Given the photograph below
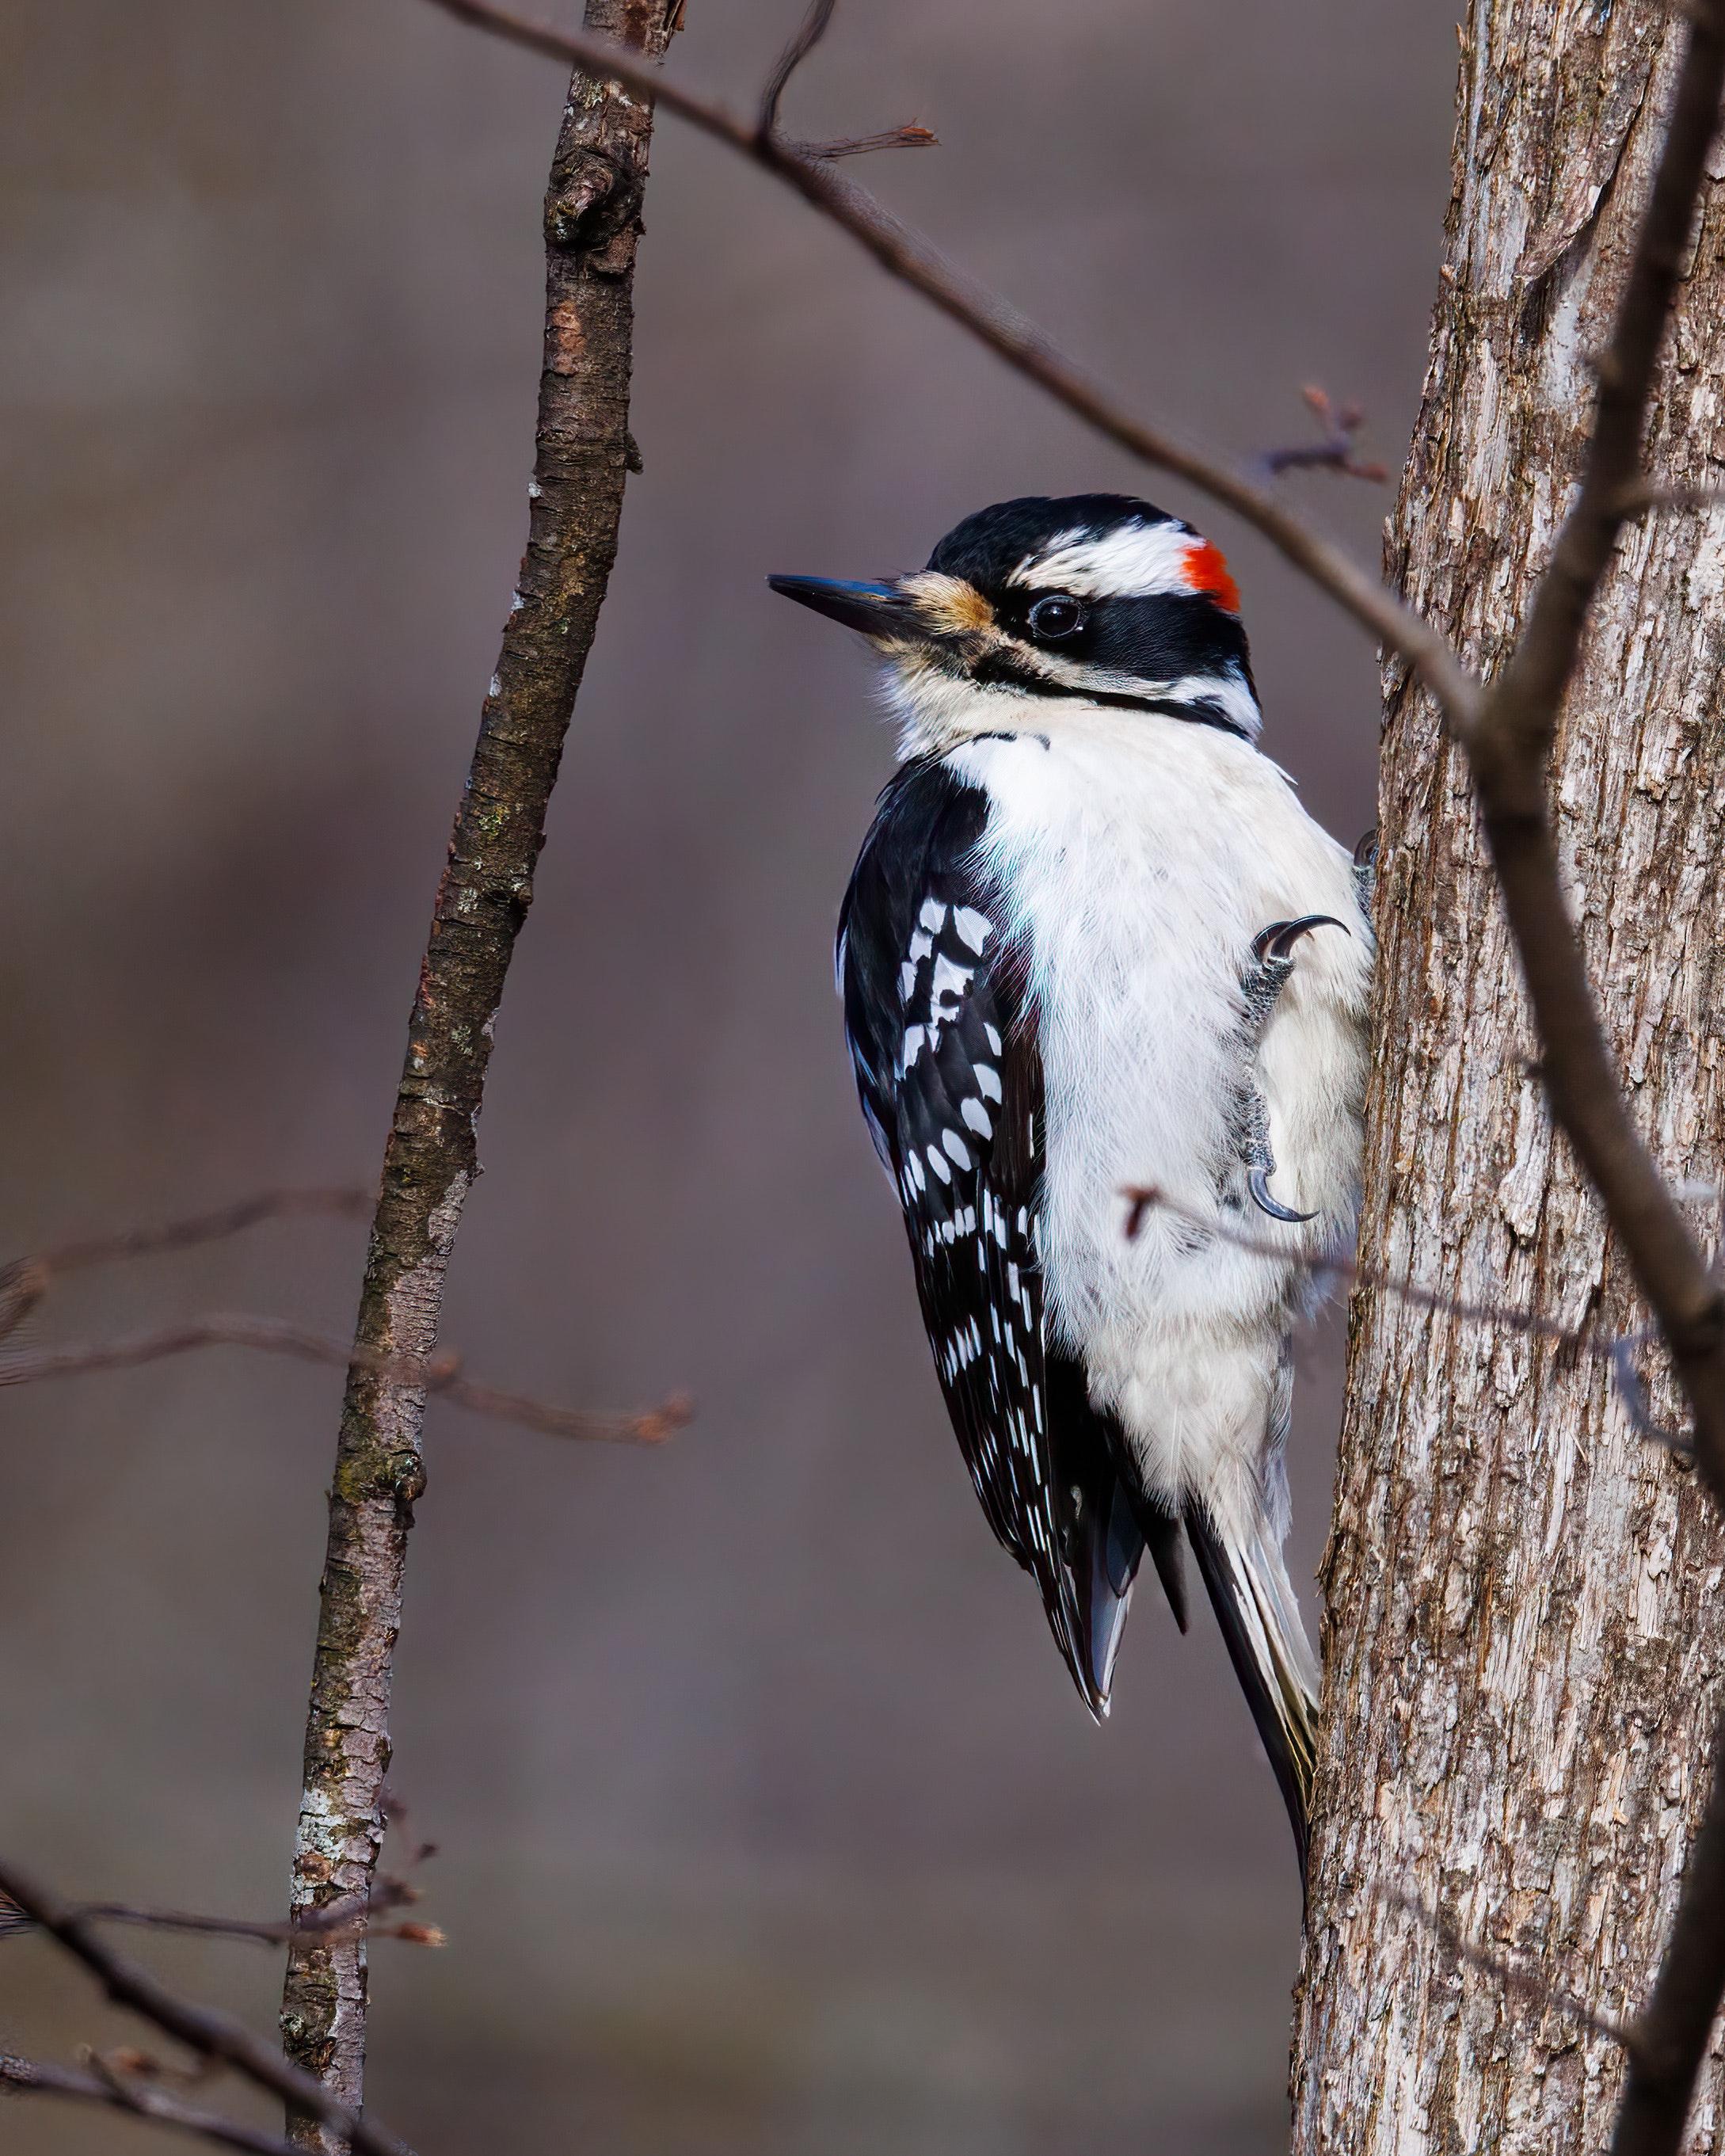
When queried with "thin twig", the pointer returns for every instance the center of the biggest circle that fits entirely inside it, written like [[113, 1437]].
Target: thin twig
[[907, 256], [438, 1376], [343, 1919], [812, 29], [343, 1202], [1647, 497], [124, 2091], [910, 136], [1674, 2029], [1334, 451], [22, 1288], [25, 1280], [205, 2030], [1520, 1981], [339, 1920], [1616, 1355], [1144, 1199], [347, 1917]]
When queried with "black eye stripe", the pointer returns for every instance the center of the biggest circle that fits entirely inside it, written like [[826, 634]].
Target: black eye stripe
[[1000, 670], [1158, 636]]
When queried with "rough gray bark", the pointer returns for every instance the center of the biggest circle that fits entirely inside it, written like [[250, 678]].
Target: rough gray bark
[[591, 226], [1524, 1648]]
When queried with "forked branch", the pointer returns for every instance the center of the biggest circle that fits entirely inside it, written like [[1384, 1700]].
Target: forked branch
[[907, 256], [25, 1281], [438, 1375], [117, 2086], [204, 2030]]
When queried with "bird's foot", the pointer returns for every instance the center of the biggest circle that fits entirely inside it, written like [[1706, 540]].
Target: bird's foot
[[1365, 870], [1258, 1189], [1272, 962], [1258, 1160]]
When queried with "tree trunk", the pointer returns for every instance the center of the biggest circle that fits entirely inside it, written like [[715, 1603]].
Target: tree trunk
[[1523, 1644], [583, 450]]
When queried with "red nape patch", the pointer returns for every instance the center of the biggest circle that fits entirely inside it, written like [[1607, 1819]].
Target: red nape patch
[[1207, 571]]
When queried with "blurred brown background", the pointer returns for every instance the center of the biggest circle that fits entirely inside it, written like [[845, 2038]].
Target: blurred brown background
[[769, 1821]]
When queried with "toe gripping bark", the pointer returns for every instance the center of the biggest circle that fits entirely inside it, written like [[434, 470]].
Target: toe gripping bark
[[1272, 962]]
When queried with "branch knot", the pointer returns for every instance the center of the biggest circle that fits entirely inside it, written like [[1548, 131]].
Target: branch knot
[[593, 199]]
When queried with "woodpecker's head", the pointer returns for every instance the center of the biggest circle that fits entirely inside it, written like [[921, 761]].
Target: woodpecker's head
[[1037, 607]]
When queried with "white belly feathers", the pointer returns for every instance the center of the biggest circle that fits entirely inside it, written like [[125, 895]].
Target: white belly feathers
[[1142, 855]]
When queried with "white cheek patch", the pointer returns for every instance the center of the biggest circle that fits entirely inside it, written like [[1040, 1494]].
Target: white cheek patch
[[1138, 561], [1228, 693], [930, 706]]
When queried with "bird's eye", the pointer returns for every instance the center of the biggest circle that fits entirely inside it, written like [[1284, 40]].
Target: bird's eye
[[1054, 616]]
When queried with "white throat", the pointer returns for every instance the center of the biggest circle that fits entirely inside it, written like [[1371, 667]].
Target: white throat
[[936, 711]]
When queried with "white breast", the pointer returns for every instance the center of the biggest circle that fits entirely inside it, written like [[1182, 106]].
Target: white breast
[[1141, 856]]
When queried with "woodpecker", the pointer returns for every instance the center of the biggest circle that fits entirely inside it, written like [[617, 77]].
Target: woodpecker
[[1093, 941]]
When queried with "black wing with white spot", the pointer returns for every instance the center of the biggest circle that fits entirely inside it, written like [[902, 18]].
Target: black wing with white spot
[[941, 1030]]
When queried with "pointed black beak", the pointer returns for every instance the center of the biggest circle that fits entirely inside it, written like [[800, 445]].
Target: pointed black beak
[[880, 611]]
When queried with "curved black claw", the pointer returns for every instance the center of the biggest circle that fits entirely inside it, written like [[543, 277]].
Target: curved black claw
[[1278, 939], [1365, 870], [1258, 1183]]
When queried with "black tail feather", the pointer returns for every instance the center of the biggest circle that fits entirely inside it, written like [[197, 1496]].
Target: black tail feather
[[1281, 1705], [1107, 1523], [1161, 1530], [1100, 1546]]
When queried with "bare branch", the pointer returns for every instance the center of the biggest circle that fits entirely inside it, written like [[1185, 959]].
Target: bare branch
[[582, 452], [343, 1918], [111, 2085], [348, 1916], [206, 2030], [1146, 1198], [813, 29], [905, 255], [1647, 497], [438, 1376], [344, 1202], [1617, 1355], [22, 1288], [26, 1280], [1673, 2030], [908, 137], [1334, 451]]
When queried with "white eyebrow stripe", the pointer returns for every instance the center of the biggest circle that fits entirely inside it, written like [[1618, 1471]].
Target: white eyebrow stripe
[[1137, 561]]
